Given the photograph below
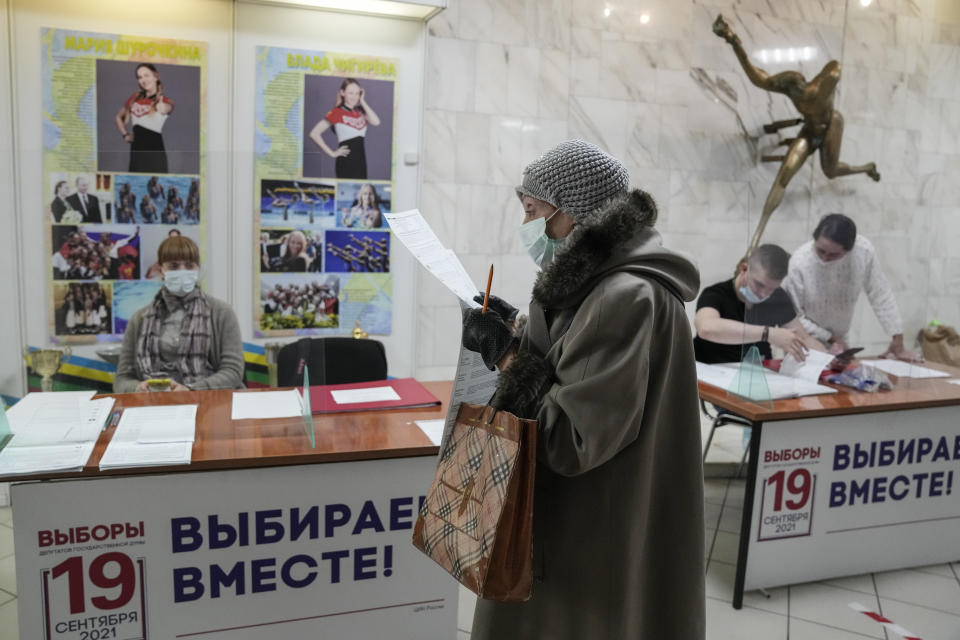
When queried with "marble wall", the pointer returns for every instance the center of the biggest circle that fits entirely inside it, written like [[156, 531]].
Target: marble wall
[[650, 83]]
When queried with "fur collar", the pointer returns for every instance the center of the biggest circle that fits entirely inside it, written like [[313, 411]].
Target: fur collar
[[590, 245]]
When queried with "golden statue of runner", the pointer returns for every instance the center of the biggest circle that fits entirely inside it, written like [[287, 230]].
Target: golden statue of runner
[[822, 124]]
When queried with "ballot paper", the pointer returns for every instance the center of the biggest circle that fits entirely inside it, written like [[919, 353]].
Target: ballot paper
[[164, 423], [433, 429], [413, 231], [152, 436], [63, 457], [32, 402], [76, 420], [266, 404], [120, 454], [778, 385], [810, 369], [371, 394], [473, 383], [905, 369]]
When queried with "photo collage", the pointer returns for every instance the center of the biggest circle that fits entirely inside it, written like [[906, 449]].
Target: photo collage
[[323, 243], [110, 206]]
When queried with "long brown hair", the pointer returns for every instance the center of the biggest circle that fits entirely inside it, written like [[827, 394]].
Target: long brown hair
[[343, 85], [143, 92]]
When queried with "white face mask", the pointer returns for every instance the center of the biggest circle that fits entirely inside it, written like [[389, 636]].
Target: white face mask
[[750, 296], [180, 282], [541, 247]]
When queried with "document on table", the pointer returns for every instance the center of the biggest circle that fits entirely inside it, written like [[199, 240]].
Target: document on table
[[266, 404], [152, 436], [903, 369], [120, 454], [58, 424], [810, 369], [778, 385], [433, 429], [29, 403], [165, 423], [411, 229], [63, 457], [372, 394]]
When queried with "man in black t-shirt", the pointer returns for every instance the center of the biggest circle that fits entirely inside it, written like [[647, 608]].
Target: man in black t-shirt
[[750, 310]]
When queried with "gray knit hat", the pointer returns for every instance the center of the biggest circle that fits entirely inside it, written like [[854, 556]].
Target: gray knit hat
[[576, 176]]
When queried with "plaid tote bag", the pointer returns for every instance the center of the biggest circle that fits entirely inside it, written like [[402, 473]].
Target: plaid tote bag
[[477, 520]]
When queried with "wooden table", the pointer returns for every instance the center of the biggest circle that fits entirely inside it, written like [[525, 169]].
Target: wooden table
[[812, 512], [259, 530], [222, 443]]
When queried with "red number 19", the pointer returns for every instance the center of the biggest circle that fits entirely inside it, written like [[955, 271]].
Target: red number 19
[[125, 578], [799, 482]]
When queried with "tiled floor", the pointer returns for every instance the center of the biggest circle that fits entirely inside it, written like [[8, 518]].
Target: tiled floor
[[925, 600]]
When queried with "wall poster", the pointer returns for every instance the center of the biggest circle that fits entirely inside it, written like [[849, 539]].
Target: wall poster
[[123, 169], [324, 146]]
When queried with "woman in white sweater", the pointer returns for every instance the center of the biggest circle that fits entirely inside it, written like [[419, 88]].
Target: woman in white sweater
[[826, 277]]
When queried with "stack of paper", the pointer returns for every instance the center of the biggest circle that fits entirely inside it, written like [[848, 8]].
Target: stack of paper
[[53, 431], [263, 405], [905, 369], [152, 436], [779, 385]]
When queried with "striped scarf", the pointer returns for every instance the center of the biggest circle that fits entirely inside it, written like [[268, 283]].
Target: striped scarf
[[195, 339]]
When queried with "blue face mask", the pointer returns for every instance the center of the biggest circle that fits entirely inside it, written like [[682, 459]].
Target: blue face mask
[[750, 296], [180, 282], [541, 247]]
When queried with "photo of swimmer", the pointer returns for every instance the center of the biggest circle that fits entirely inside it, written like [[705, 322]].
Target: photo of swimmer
[[357, 252], [286, 203], [299, 302], [156, 199]]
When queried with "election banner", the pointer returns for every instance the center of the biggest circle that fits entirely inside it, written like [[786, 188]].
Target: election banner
[[846, 495], [123, 169], [287, 553], [323, 180]]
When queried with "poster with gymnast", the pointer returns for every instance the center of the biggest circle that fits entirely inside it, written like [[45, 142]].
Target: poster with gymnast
[[324, 144], [123, 136]]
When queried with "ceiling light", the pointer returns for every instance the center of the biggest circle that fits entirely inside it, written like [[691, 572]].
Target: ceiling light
[[407, 9], [644, 18]]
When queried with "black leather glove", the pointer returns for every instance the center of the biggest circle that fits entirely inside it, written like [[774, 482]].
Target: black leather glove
[[501, 306], [486, 334]]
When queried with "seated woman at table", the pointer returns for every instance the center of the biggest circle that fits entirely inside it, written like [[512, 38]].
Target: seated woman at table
[[184, 334]]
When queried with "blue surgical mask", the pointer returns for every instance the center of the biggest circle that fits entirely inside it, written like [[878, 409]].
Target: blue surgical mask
[[750, 296], [541, 247], [180, 282]]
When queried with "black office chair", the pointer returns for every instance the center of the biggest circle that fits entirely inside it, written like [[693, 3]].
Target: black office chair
[[721, 419], [331, 361]]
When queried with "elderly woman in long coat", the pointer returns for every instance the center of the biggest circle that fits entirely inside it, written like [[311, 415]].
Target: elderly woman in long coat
[[605, 364]]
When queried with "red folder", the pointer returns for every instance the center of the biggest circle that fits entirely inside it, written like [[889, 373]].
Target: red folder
[[411, 394]]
